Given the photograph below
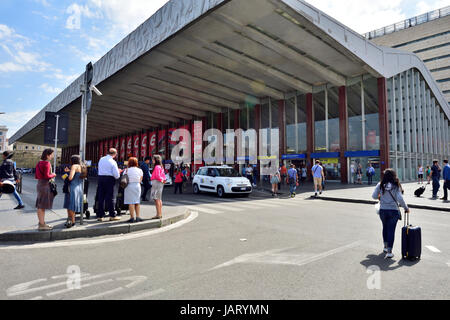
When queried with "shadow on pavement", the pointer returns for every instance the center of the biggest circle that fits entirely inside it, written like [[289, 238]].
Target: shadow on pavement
[[386, 264]]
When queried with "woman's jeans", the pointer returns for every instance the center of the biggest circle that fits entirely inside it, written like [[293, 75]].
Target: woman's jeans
[[389, 219], [16, 195]]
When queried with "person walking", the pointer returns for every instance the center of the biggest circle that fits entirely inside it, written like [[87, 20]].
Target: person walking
[[8, 173], [436, 176], [146, 178], [283, 174], [317, 172], [132, 193], [73, 199], [108, 173], [158, 181], [179, 178], [45, 196], [446, 176], [428, 172], [370, 173], [420, 174], [293, 180], [390, 193], [359, 174], [275, 180]]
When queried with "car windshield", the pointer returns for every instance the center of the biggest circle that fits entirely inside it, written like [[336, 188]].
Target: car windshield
[[228, 172]]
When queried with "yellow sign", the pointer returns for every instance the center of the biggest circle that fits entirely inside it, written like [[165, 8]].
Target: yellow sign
[[330, 160]]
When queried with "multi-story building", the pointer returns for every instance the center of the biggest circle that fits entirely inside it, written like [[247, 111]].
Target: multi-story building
[[428, 36], [27, 155], [3, 139]]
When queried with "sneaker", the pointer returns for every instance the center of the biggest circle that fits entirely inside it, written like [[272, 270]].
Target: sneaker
[[389, 255], [45, 227], [115, 219], [131, 221], [19, 207], [385, 250], [139, 219]]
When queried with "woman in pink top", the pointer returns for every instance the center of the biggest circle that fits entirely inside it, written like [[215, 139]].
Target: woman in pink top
[[44, 199], [158, 181]]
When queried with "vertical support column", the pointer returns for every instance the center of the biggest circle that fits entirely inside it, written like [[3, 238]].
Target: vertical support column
[[363, 115], [383, 123], [237, 116], [343, 132], [282, 126], [257, 128], [424, 121], [420, 142], [408, 112], [327, 127], [394, 121], [413, 92], [309, 131], [166, 138]]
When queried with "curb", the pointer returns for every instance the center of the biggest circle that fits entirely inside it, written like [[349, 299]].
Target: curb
[[415, 206], [66, 234]]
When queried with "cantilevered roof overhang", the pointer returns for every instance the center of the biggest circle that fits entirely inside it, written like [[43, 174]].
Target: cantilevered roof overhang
[[196, 56]]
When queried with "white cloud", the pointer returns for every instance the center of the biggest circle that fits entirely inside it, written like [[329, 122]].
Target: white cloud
[[363, 15], [16, 120], [43, 2], [49, 89], [77, 11], [427, 6]]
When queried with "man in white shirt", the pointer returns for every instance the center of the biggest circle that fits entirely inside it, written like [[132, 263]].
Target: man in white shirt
[[108, 173], [317, 172]]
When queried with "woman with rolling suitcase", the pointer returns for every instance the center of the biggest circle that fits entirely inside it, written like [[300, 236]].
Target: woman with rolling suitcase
[[390, 193]]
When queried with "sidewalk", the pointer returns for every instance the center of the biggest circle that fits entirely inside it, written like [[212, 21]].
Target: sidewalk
[[21, 225], [335, 191]]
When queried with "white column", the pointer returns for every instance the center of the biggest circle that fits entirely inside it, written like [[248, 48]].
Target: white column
[[401, 124], [413, 115], [431, 136], [363, 115], [408, 92], [394, 121], [419, 113], [326, 121], [426, 142]]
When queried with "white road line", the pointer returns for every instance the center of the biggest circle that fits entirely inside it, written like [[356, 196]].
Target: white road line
[[224, 207], [20, 288], [433, 249], [132, 236], [81, 287], [205, 210], [103, 294], [146, 295]]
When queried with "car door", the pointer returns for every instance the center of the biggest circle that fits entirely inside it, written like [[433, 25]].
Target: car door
[[210, 181], [202, 179]]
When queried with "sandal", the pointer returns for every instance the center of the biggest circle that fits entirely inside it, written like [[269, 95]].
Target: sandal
[[156, 218], [45, 227]]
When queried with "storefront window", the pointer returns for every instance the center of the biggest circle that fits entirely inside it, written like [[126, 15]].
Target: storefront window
[[319, 122], [364, 162], [301, 123], [372, 125], [333, 120], [355, 136], [291, 127]]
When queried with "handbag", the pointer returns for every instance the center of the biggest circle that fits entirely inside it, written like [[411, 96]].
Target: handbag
[[124, 180]]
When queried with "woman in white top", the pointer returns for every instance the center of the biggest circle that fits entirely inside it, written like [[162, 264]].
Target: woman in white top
[[132, 195], [420, 174]]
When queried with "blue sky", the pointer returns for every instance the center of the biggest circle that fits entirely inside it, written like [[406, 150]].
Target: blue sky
[[46, 44]]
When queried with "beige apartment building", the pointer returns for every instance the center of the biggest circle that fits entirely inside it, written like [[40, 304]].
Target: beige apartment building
[[428, 36]]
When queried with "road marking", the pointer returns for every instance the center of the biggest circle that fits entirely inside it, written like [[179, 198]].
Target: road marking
[[21, 289], [277, 257], [103, 294], [81, 287], [125, 237], [205, 210], [224, 207], [146, 295], [135, 280], [433, 249]]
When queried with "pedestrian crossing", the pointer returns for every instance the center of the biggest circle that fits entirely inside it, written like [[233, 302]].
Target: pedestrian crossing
[[216, 206]]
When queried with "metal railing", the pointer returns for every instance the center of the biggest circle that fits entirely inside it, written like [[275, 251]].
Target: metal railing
[[409, 23]]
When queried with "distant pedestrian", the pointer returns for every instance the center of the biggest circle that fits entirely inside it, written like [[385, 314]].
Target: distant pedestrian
[[146, 178], [284, 175], [446, 176], [317, 173], [370, 173], [428, 172], [74, 198], [389, 191], [178, 181], [359, 174], [274, 181], [45, 196], [158, 181], [304, 173], [324, 172], [132, 193], [293, 179], [8, 173], [420, 174], [436, 176], [108, 173], [249, 173]]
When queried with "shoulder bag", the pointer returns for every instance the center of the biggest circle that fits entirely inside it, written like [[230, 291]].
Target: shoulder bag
[[124, 180], [399, 212], [51, 182]]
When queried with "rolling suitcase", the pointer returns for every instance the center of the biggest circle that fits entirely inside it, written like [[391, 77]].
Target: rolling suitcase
[[419, 192], [411, 241]]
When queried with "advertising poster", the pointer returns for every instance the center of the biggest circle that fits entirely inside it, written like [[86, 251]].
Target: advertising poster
[[100, 150], [144, 140], [122, 148], [152, 143], [136, 145], [129, 147], [162, 143]]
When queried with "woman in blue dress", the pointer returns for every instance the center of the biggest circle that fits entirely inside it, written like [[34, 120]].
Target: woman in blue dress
[[73, 199]]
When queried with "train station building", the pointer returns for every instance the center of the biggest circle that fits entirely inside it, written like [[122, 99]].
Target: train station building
[[332, 93]]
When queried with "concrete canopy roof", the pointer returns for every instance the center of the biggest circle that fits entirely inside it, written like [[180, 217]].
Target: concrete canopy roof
[[199, 56]]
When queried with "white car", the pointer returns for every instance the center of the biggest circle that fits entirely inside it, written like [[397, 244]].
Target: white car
[[222, 180]]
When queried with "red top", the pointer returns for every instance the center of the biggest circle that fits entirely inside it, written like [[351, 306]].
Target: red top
[[44, 171], [179, 177]]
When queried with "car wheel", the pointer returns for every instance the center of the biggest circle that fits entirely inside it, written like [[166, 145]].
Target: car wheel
[[195, 189], [220, 192]]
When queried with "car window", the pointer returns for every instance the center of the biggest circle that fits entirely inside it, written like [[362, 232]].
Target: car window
[[201, 172], [211, 172], [228, 172]]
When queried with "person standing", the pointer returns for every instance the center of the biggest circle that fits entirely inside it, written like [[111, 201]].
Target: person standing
[[8, 173], [108, 173], [436, 176], [317, 172], [73, 199], [446, 176], [146, 178], [389, 191], [304, 173], [420, 174], [359, 174], [45, 196], [179, 178], [283, 174], [293, 179], [158, 181], [132, 193], [428, 172], [275, 180], [370, 173], [249, 173]]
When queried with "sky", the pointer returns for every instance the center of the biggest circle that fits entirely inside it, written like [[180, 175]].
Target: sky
[[46, 44]]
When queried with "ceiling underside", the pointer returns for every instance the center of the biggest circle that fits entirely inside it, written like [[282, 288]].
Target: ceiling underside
[[241, 52]]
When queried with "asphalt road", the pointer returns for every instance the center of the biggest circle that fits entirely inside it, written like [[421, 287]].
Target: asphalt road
[[237, 248]]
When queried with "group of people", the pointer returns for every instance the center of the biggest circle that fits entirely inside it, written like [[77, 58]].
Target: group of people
[[433, 175], [370, 173], [108, 174]]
